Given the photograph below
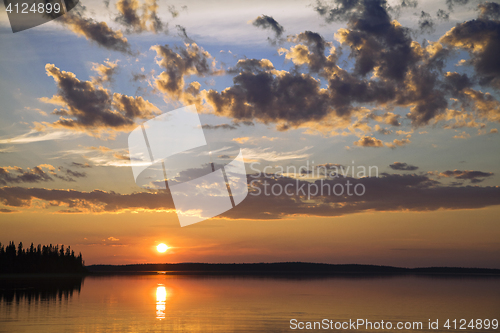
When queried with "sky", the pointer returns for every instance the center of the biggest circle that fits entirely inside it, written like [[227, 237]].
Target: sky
[[308, 90]]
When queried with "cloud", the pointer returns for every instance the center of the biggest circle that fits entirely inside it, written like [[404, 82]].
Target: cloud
[[267, 22], [174, 12], [452, 3], [473, 176], [242, 140], [94, 201], [398, 143], [130, 17], [310, 50], [425, 22], [463, 135], [5, 150], [76, 174], [35, 135], [388, 118], [81, 165], [485, 104], [98, 32], [183, 34], [103, 156], [41, 173], [403, 72], [390, 192], [385, 193], [223, 126], [193, 60], [267, 154], [92, 109], [481, 38], [403, 166], [489, 11], [5, 210], [442, 15], [269, 96], [384, 131], [105, 71], [367, 141]]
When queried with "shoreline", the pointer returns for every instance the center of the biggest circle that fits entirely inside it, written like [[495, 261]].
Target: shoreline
[[293, 269]]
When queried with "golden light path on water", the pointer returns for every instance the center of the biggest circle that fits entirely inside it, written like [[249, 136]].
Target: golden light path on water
[[161, 298]]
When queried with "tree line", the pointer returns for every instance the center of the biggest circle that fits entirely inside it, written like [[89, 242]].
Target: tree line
[[39, 259]]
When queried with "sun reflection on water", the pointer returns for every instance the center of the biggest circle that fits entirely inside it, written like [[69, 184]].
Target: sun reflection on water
[[161, 298]]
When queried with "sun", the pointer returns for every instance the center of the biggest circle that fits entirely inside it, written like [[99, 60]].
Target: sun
[[162, 248]]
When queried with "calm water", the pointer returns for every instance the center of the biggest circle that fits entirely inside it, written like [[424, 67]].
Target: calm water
[[154, 303]]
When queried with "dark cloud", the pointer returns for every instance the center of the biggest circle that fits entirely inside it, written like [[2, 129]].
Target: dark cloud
[[442, 15], [377, 42], [98, 32], [452, 3], [456, 83], [18, 175], [409, 3], [385, 193], [425, 95], [80, 165], [267, 22], [384, 131], [425, 22], [183, 34], [406, 192], [390, 70], [489, 11], [473, 176], [87, 107], [339, 12], [292, 99], [265, 96], [220, 126], [139, 77], [174, 12], [76, 174], [41, 173], [95, 201], [251, 65], [231, 126], [481, 38], [406, 74], [403, 166], [134, 21]]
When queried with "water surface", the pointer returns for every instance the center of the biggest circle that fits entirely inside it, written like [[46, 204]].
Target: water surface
[[156, 303]]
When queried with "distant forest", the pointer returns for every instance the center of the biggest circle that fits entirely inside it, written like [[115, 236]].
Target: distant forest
[[39, 259]]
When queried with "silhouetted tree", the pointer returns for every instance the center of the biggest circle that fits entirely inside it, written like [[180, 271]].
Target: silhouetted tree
[[42, 259]]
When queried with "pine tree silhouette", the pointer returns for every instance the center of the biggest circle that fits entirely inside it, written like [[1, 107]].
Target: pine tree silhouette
[[42, 259]]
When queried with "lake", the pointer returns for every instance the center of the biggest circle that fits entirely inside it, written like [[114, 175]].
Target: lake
[[194, 303]]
